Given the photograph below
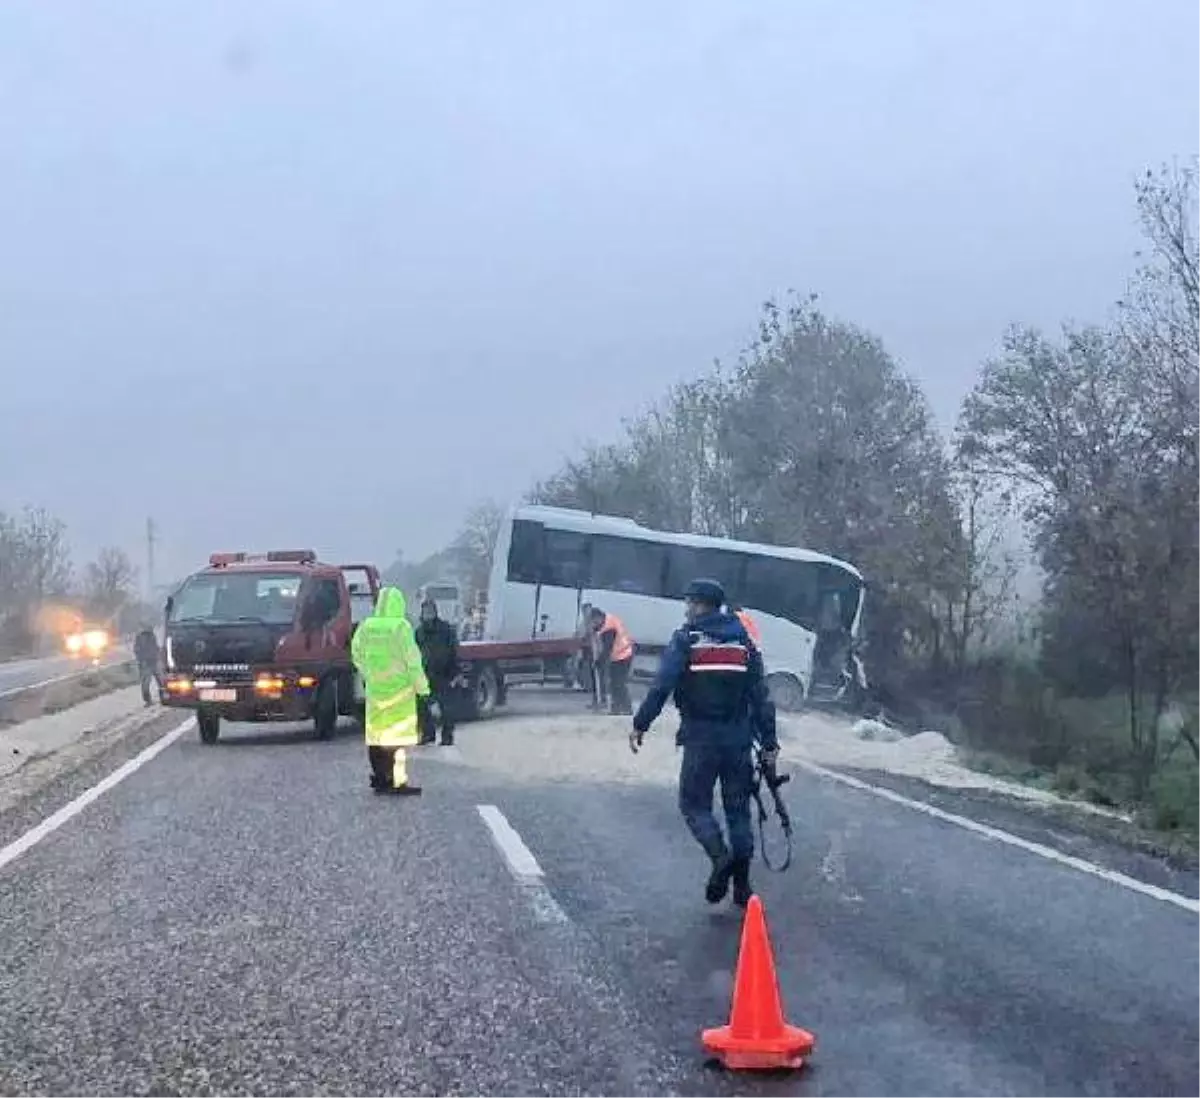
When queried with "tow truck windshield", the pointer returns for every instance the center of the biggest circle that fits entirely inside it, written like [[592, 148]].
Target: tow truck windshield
[[262, 597]]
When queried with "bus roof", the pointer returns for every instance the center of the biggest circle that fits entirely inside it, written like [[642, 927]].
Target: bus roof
[[564, 518]]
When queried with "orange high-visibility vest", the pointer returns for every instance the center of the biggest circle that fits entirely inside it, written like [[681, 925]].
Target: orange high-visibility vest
[[751, 628], [622, 648]]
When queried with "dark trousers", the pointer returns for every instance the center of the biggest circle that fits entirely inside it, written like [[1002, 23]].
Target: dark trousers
[[618, 687], [381, 759], [598, 682], [439, 691], [705, 764]]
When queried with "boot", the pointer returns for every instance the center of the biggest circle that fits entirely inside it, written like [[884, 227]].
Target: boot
[[406, 790], [742, 891], [718, 880]]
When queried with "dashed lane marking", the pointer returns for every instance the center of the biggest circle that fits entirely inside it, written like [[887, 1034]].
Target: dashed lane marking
[[522, 863]]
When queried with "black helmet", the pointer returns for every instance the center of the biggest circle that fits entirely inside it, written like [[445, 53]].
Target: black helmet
[[705, 590]]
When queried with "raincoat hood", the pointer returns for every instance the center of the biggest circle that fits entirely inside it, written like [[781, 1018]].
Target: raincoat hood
[[391, 603]]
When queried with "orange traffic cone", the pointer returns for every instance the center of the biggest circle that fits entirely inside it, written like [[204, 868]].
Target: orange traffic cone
[[757, 1037]]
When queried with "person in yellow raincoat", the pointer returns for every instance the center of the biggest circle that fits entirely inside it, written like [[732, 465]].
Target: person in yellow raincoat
[[385, 653]]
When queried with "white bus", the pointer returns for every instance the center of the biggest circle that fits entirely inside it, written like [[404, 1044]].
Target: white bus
[[549, 561]]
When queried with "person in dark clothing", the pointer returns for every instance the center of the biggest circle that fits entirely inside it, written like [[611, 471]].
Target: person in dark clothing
[[716, 675], [438, 642], [613, 659], [145, 651]]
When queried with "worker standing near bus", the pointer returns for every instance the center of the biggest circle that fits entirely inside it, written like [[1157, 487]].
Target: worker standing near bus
[[586, 673], [385, 653], [716, 676], [614, 659]]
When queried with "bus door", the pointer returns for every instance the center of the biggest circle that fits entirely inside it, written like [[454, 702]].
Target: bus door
[[565, 556]]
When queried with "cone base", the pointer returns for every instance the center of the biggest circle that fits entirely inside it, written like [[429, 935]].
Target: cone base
[[785, 1050]]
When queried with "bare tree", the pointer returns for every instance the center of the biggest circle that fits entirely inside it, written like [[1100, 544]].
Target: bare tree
[[475, 543], [35, 569], [1114, 523], [109, 582]]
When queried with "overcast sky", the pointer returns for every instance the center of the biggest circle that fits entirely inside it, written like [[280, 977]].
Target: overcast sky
[[298, 273]]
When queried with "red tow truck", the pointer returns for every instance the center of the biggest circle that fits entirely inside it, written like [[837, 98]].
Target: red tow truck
[[267, 638]]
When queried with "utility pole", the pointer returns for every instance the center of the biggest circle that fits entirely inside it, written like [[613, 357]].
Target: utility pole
[[151, 538]]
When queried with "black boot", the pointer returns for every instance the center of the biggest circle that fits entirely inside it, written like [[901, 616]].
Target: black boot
[[740, 869], [718, 880], [406, 790]]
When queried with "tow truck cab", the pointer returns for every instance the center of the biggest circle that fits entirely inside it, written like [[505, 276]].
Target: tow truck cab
[[266, 638]]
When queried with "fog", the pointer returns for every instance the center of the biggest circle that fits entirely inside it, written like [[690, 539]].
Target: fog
[[325, 273]]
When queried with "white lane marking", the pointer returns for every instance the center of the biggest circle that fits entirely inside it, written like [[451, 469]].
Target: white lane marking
[[519, 857], [68, 811], [1110, 875], [523, 864]]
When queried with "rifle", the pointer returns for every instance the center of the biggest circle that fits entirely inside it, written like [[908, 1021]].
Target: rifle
[[764, 773]]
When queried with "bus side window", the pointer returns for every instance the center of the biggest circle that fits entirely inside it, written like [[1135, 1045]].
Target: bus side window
[[686, 563], [628, 565], [525, 552], [785, 588], [565, 559]]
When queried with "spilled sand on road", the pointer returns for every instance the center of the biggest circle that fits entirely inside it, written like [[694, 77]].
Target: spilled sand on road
[[594, 747]]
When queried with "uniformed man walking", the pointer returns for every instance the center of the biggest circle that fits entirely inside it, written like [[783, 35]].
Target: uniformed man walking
[[716, 675], [386, 655]]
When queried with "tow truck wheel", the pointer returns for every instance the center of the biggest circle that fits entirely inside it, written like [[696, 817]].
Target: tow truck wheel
[[209, 725], [325, 710], [487, 692]]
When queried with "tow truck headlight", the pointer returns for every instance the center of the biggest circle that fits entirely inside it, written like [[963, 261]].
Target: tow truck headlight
[[96, 640], [75, 643], [179, 686]]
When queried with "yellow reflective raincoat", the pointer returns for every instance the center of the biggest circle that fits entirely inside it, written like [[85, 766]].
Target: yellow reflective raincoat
[[385, 653]]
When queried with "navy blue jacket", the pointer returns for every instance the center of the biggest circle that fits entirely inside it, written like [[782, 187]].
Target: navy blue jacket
[[716, 675]]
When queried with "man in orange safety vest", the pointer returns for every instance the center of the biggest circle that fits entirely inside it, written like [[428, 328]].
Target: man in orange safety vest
[[614, 659]]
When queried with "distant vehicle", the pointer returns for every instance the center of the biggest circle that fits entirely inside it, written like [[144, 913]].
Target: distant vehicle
[[267, 638], [448, 599], [548, 561], [88, 642]]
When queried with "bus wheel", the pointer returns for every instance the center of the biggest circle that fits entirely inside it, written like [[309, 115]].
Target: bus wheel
[[487, 692], [786, 692], [209, 724]]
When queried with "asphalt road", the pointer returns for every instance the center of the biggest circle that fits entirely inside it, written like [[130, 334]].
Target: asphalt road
[[248, 918], [20, 673]]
